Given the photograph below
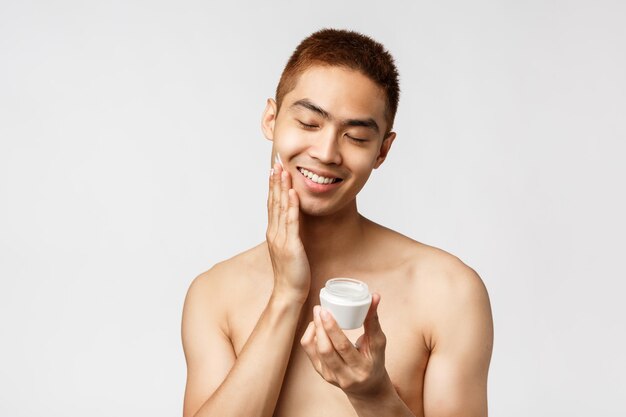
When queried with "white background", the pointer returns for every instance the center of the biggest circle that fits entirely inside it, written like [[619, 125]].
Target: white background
[[131, 160]]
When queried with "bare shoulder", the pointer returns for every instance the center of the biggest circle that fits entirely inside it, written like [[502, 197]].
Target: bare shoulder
[[235, 271], [433, 265], [447, 291], [214, 289], [453, 298], [445, 272]]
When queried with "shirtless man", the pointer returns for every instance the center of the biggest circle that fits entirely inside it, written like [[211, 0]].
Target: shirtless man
[[256, 342]]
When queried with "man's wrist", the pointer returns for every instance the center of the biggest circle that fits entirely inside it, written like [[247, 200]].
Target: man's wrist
[[288, 297], [287, 300], [384, 402]]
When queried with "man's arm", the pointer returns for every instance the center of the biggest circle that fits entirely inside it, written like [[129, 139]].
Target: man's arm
[[219, 383], [455, 382], [208, 351]]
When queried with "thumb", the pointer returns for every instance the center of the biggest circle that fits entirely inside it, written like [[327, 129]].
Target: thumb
[[371, 324]]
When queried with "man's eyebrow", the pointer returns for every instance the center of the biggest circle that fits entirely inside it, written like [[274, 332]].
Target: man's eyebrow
[[369, 123], [307, 104]]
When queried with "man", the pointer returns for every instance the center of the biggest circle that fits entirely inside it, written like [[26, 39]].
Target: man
[[255, 340]]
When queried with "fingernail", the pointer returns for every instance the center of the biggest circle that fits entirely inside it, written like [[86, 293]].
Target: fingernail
[[316, 311], [324, 314], [271, 171]]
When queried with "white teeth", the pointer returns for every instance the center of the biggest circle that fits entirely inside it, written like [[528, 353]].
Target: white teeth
[[317, 178]]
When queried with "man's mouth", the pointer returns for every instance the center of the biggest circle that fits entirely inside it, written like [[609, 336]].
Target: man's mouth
[[318, 178]]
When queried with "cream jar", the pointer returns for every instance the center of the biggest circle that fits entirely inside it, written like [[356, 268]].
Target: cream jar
[[348, 300]]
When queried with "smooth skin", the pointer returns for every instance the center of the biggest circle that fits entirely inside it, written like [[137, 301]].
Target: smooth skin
[[255, 339]]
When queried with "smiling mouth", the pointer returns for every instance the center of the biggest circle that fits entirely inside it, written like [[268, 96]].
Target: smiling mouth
[[318, 178]]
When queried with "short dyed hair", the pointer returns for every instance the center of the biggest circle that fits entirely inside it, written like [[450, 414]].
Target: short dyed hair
[[348, 49]]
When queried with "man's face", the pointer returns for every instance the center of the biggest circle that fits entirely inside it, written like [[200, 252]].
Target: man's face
[[332, 124]]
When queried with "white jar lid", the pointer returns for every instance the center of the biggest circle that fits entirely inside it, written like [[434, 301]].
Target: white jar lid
[[346, 290]]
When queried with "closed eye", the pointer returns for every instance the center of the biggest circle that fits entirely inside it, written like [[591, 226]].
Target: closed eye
[[307, 126], [357, 139]]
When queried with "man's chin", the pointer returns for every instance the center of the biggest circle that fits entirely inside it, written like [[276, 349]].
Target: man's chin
[[320, 209], [316, 210]]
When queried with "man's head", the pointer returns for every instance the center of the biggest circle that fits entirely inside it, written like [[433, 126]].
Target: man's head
[[347, 49], [332, 117]]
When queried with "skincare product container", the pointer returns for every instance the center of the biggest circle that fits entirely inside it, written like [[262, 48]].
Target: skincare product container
[[348, 300]]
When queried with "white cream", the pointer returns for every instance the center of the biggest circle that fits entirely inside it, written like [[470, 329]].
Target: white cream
[[348, 300], [279, 160]]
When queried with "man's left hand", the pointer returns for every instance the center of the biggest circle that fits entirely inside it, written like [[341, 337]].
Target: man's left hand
[[358, 369]]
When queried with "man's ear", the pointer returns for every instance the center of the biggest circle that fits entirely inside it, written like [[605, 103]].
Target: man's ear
[[384, 149], [269, 119]]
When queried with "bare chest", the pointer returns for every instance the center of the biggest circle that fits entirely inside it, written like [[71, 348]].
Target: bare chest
[[305, 393]]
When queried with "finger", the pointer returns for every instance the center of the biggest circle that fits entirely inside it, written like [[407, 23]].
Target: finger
[[308, 344], [325, 349], [288, 177], [373, 331], [275, 203], [270, 195], [371, 319], [342, 345], [308, 335], [284, 201], [293, 215], [360, 343]]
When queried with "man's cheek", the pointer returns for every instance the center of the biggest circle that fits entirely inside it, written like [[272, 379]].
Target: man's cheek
[[290, 146]]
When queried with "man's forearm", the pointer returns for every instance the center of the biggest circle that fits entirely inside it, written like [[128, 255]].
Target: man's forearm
[[253, 384]]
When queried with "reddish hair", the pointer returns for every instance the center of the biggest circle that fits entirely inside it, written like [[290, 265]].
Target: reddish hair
[[348, 49]]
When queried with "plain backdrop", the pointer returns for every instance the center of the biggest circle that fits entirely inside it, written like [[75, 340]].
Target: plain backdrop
[[131, 160]]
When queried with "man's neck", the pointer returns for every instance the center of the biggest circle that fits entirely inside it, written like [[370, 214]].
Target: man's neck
[[333, 238]]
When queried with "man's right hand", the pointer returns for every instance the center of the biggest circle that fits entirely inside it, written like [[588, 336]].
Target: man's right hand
[[217, 374], [292, 274]]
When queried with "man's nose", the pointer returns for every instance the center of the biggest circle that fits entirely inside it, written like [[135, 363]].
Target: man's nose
[[326, 148]]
